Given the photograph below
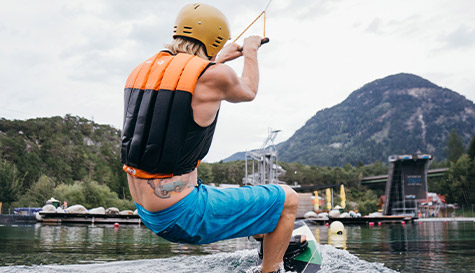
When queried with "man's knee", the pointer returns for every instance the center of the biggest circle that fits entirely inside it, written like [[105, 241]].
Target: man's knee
[[291, 199]]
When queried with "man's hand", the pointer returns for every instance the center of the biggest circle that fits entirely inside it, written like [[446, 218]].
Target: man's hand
[[233, 51], [251, 43], [229, 53]]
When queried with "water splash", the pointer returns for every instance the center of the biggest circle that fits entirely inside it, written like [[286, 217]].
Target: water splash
[[334, 260], [338, 260], [237, 261]]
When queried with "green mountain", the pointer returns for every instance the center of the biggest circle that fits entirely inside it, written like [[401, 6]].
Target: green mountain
[[398, 114]]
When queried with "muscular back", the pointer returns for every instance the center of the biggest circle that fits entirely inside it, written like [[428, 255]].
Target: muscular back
[[219, 82]]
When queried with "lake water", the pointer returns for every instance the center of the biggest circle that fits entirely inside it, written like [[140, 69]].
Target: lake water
[[418, 247]]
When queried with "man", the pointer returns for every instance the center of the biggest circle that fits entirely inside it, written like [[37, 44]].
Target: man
[[172, 102]]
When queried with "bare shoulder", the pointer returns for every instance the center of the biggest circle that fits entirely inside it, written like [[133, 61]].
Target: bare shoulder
[[223, 81], [219, 76]]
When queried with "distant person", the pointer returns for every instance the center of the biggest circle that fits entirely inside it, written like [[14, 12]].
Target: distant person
[[65, 205], [172, 101]]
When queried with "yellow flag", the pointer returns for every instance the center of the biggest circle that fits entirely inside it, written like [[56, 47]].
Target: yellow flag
[[316, 203], [342, 196]]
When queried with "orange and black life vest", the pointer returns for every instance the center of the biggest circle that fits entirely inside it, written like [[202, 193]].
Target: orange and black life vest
[[160, 137]]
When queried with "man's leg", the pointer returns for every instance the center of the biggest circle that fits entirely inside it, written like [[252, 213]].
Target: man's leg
[[276, 242]]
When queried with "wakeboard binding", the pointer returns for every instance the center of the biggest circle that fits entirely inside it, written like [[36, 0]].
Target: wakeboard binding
[[296, 247]]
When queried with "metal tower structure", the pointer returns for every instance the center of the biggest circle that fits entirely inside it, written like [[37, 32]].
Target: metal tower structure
[[262, 163]]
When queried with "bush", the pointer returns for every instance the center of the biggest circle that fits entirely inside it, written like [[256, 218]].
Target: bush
[[91, 194], [39, 192], [370, 203], [73, 194], [367, 207]]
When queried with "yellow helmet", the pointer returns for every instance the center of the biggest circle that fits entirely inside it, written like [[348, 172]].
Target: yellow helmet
[[204, 23]]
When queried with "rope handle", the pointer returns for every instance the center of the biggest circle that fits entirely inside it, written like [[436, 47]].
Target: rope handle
[[265, 40]]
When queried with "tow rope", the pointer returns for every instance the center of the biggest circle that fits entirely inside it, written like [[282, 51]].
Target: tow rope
[[265, 39]]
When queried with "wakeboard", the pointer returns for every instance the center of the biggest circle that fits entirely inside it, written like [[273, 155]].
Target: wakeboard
[[310, 260]]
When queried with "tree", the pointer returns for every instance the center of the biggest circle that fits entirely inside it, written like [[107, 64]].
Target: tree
[[455, 147], [471, 149], [73, 194], [459, 184], [471, 173], [39, 193], [10, 182], [368, 203], [205, 172]]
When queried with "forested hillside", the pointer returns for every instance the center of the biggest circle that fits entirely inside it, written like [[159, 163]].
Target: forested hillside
[[69, 151], [66, 149]]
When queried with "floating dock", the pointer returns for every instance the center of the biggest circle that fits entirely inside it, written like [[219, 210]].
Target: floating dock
[[17, 219], [362, 220], [53, 217], [446, 219]]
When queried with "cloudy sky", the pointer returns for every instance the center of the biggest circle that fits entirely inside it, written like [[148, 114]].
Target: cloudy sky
[[60, 57]]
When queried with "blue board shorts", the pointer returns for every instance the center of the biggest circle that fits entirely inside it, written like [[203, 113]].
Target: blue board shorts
[[209, 214]]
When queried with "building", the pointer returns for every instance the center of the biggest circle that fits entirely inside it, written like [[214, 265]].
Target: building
[[406, 186]]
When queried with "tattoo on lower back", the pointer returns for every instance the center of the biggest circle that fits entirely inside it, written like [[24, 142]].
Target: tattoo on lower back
[[163, 188]]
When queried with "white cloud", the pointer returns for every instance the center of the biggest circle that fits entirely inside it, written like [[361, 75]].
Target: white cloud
[[460, 38]]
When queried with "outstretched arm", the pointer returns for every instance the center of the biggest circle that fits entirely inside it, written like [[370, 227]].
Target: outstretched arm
[[224, 80], [219, 82]]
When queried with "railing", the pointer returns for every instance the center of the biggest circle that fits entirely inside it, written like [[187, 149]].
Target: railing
[[26, 211], [382, 179]]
